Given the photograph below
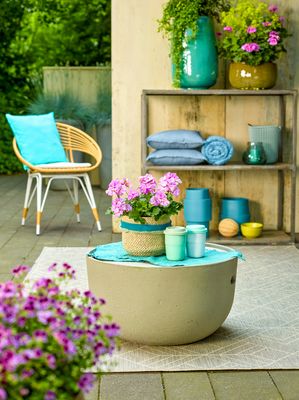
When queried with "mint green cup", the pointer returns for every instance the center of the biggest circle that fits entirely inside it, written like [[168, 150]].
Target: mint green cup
[[175, 243]]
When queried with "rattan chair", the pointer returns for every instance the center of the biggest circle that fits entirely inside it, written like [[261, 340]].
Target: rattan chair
[[73, 140]]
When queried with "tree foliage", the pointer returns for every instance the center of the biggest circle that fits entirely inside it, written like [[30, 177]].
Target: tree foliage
[[37, 33]]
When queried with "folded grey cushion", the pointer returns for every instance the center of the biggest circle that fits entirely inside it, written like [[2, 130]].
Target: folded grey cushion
[[176, 157], [175, 139]]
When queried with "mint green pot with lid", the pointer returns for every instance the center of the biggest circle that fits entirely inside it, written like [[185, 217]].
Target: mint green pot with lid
[[175, 243]]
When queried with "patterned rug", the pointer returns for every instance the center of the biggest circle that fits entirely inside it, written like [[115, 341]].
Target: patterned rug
[[261, 331]]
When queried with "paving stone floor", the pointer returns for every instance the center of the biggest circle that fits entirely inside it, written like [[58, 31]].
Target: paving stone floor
[[59, 228]]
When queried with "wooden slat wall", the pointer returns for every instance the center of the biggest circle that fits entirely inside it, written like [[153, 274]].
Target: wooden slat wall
[[140, 61]]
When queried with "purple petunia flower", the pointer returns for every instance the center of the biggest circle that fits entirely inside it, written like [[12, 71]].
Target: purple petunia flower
[[51, 361], [20, 270], [3, 394], [50, 395], [250, 47], [273, 8], [147, 184], [228, 29], [272, 41], [251, 29], [86, 382]]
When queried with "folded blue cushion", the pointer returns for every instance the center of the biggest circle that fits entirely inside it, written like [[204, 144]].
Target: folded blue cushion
[[37, 138], [176, 157], [175, 139]]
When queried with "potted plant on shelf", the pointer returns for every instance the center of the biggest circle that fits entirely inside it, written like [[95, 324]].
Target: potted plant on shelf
[[145, 211], [189, 27], [253, 38], [49, 336]]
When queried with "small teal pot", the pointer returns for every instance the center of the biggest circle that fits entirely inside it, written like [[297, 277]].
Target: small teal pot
[[175, 243], [199, 58], [200, 210], [197, 193], [236, 208]]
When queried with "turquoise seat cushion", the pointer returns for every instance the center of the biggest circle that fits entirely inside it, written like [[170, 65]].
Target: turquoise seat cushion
[[37, 138], [175, 139], [176, 157]]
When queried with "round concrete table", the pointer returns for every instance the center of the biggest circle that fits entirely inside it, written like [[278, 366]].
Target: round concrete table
[[165, 305]]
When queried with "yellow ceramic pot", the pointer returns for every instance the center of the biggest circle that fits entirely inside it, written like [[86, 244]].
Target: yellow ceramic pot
[[243, 76]]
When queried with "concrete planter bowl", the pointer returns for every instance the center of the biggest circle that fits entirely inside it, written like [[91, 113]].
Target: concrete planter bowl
[[165, 305]]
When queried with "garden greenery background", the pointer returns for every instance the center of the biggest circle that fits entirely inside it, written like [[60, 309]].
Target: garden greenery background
[[37, 33]]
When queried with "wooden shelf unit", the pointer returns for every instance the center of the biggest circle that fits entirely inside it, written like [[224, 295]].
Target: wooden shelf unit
[[268, 237]]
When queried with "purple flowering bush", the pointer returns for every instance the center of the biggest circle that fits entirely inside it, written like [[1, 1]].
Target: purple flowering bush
[[49, 337], [253, 33], [150, 199]]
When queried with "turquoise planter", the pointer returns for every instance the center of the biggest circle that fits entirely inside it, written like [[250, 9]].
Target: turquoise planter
[[199, 60]]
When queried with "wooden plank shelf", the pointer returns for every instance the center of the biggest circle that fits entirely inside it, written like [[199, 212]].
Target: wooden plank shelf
[[226, 167], [268, 237], [217, 92]]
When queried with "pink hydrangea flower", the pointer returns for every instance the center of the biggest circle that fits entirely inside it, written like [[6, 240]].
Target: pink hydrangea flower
[[119, 207], [132, 194], [266, 23], [147, 184], [118, 187], [251, 29], [160, 199], [273, 8], [169, 183], [250, 47], [228, 29]]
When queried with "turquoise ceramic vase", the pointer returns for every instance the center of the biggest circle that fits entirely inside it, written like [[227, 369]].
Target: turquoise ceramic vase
[[199, 59]]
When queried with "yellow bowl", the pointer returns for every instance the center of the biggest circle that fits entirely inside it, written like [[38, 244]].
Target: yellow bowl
[[251, 229]]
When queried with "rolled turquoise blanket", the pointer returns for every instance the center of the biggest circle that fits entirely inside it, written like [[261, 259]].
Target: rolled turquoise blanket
[[217, 150]]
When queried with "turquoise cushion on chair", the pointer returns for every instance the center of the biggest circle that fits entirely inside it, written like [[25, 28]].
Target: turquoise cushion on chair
[[37, 138]]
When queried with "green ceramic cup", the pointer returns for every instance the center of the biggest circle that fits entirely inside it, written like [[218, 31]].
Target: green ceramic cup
[[175, 243]]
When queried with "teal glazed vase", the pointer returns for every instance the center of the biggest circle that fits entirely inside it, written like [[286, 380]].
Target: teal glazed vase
[[199, 58]]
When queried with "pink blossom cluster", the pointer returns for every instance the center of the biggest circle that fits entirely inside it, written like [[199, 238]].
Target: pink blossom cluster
[[273, 38], [150, 191], [273, 8], [48, 328], [251, 29], [250, 47]]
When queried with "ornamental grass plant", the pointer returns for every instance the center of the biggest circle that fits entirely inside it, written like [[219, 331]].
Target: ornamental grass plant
[[150, 199], [253, 33], [49, 337]]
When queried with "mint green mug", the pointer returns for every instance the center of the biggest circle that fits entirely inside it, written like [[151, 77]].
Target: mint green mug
[[175, 243]]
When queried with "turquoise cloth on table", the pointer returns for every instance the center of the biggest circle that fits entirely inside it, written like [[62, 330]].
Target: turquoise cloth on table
[[217, 150], [116, 252]]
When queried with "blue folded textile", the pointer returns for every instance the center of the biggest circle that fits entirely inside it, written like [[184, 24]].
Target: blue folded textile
[[217, 150], [116, 252]]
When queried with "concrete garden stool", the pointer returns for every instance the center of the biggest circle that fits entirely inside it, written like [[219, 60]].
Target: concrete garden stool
[[165, 305]]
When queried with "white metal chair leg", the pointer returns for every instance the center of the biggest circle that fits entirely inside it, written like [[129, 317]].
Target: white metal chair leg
[[26, 202], [91, 200], [76, 198], [39, 180]]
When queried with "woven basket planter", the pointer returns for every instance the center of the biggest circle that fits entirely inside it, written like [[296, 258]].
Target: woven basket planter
[[144, 239]]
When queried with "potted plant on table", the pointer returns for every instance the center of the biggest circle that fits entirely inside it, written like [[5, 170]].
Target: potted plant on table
[[253, 38], [49, 337], [145, 211], [189, 27]]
